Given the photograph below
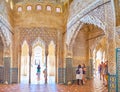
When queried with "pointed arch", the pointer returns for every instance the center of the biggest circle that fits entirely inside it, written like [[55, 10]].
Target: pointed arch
[[25, 48], [39, 42], [24, 61], [51, 59]]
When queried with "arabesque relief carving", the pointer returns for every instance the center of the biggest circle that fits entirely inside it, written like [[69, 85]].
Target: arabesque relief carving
[[44, 34]]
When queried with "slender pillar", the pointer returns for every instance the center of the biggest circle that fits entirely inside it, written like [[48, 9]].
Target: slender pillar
[[46, 56], [56, 65], [19, 64], [30, 55]]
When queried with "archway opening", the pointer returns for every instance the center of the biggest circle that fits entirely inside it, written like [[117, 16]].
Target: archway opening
[[25, 63], [38, 58], [51, 62], [89, 48]]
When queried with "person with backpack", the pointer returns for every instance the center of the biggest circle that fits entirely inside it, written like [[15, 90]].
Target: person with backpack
[[79, 75]]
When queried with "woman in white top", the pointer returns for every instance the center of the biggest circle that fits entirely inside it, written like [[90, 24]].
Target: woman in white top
[[79, 74]]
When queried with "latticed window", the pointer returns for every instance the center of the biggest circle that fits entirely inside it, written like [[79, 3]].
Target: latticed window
[[19, 9], [48, 8], [29, 8], [39, 7], [58, 10]]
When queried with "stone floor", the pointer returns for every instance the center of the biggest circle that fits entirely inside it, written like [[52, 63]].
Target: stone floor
[[94, 85]]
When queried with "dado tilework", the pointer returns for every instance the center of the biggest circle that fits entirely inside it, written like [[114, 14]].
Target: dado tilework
[[1, 74], [68, 71], [7, 69], [112, 83], [61, 75], [14, 72]]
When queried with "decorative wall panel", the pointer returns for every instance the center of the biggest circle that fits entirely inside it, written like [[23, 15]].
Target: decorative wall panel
[[14, 72], [69, 69], [1, 73], [7, 69], [61, 75]]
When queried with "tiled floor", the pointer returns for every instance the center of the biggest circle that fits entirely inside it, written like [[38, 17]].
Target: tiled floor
[[94, 85]]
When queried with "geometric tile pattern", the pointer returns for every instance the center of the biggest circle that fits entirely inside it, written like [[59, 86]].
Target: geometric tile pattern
[[7, 69], [1, 74], [118, 70], [61, 75], [112, 83], [14, 73], [68, 70]]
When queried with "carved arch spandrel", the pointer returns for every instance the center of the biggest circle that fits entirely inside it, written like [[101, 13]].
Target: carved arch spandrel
[[31, 34], [89, 19], [6, 40], [39, 41], [3, 38], [96, 16]]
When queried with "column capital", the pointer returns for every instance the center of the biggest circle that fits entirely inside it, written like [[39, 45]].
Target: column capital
[[69, 51]]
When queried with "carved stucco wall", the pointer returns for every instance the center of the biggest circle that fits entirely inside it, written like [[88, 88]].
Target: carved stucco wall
[[117, 11], [3, 9], [31, 35], [95, 35], [45, 34], [6, 27], [6, 13], [43, 24], [77, 6], [94, 14], [39, 18], [80, 49], [117, 37], [110, 29], [86, 40], [97, 15]]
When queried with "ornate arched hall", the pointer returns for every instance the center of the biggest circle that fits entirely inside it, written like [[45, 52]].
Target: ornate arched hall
[[59, 35]]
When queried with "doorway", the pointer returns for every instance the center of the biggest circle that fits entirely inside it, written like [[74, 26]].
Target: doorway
[[51, 63], [24, 63], [38, 58]]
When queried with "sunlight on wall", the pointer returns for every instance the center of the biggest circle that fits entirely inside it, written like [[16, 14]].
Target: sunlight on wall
[[7, 1], [25, 59], [37, 55], [99, 55], [51, 59], [11, 4]]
